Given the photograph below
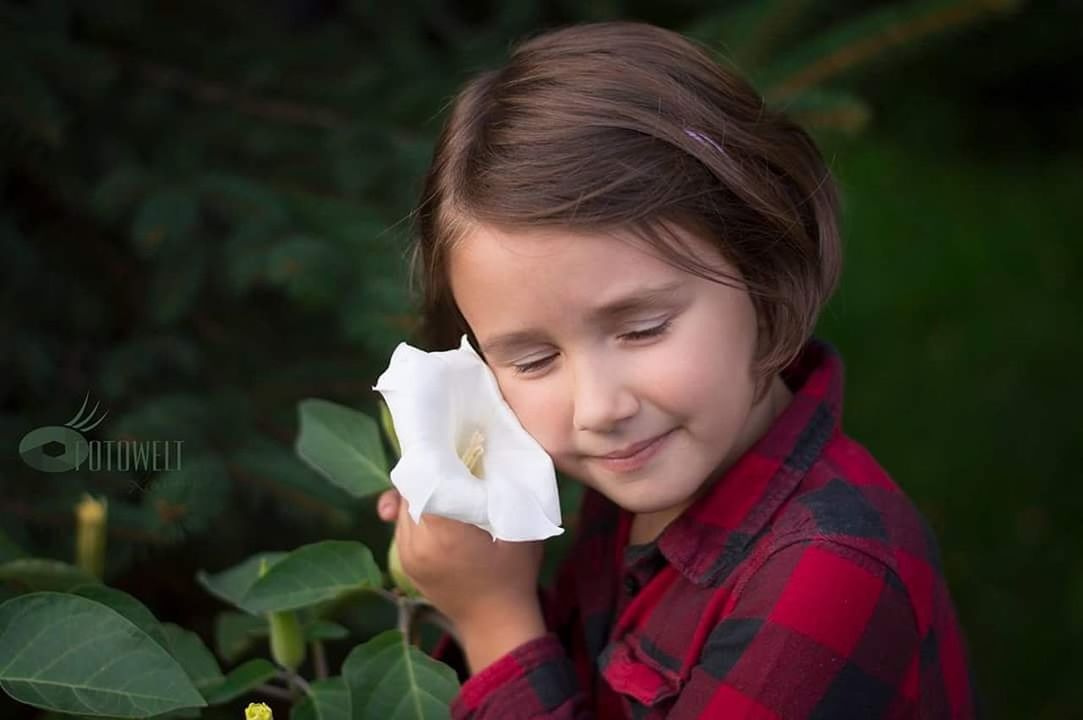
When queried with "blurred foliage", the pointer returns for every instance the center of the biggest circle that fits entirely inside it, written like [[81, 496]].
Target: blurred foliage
[[205, 207]]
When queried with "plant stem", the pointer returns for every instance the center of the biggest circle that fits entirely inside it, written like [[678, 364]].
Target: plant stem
[[412, 612], [319, 660], [406, 616], [274, 691], [428, 613], [295, 680]]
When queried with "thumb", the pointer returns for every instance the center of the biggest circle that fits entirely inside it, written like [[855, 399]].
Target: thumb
[[388, 506]]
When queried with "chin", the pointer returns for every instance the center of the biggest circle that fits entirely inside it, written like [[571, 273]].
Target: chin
[[641, 500]]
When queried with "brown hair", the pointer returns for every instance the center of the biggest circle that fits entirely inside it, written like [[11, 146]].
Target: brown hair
[[624, 125]]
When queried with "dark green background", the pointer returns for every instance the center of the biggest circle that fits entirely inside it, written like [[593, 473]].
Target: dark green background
[[957, 316]]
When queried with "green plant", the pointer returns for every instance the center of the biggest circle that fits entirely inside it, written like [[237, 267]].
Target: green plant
[[74, 645], [201, 225]]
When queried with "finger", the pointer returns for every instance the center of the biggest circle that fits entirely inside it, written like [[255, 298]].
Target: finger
[[388, 506]]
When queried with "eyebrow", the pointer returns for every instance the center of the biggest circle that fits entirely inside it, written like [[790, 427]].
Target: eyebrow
[[647, 298]]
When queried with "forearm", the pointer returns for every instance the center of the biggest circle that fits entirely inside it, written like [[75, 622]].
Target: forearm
[[496, 633]]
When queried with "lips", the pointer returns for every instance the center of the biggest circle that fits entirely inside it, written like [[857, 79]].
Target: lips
[[631, 449], [633, 457]]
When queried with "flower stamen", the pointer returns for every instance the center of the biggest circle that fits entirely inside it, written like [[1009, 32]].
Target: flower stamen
[[474, 450]]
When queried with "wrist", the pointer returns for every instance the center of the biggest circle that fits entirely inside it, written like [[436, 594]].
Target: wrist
[[498, 632]]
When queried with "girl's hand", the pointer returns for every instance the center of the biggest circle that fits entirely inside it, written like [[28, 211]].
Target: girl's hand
[[487, 589]]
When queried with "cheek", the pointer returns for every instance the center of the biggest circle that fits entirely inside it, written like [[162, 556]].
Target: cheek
[[538, 410], [710, 369]]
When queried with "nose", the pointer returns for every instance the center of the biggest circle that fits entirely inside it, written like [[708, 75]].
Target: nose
[[603, 397]]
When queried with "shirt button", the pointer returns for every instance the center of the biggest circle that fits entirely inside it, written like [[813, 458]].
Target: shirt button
[[631, 585]]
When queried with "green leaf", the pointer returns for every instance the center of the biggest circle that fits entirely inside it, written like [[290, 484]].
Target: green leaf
[[240, 198], [375, 312], [188, 713], [324, 630], [139, 361], [9, 550], [327, 699], [235, 633], [188, 649], [115, 192], [343, 445], [304, 710], [278, 464], [231, 585], [164, 217], [135, 611], [44, 574], [186, 500], [314, 573], [309, 269], [389, 679], [179, 416], [176, 282], [870, 35], [818, 109], [30, 102], [245, 252], [752, 30], [74, 655], [241, 679]]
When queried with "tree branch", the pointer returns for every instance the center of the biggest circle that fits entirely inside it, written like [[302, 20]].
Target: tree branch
[[214, 93]]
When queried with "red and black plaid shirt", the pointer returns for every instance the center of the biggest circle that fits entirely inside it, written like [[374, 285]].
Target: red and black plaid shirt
[[803, 585]]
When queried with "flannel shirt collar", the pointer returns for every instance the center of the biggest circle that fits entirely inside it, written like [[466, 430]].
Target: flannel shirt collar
[[709, 539]]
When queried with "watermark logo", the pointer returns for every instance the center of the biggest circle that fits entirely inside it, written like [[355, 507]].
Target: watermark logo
[[60, 448]]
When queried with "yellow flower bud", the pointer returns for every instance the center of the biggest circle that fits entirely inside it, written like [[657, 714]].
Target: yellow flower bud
[[90, 526], [258, 711]]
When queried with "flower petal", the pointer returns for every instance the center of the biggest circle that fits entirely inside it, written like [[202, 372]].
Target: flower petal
[[438, 483], [523, 469], [511, 453], [415, 388], [517, 515], [438, 401]]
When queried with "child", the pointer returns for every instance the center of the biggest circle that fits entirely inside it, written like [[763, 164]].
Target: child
[[639, 249]]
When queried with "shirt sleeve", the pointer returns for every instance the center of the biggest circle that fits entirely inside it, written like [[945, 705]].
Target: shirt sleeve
[[535, 680], [819, 630]]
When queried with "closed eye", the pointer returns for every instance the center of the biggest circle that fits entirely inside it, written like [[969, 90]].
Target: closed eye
[[648, 333], [535, 365]]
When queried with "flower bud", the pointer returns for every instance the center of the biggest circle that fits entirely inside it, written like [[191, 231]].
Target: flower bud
[[258, 711], [398, 575], [287, 638], [389, 428], [90, 527]]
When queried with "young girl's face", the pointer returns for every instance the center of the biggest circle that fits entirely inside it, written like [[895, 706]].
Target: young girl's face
[[602, 348]]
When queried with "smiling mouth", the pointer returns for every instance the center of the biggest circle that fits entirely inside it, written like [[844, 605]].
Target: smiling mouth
[[633, 448], [634, 457]]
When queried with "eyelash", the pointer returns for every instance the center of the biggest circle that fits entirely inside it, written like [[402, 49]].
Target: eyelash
[[527, 368]]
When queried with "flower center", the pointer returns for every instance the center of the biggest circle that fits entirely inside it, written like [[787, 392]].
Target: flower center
[[471, 457]]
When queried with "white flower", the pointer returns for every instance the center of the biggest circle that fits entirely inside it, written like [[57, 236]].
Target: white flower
[[465, 455]]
